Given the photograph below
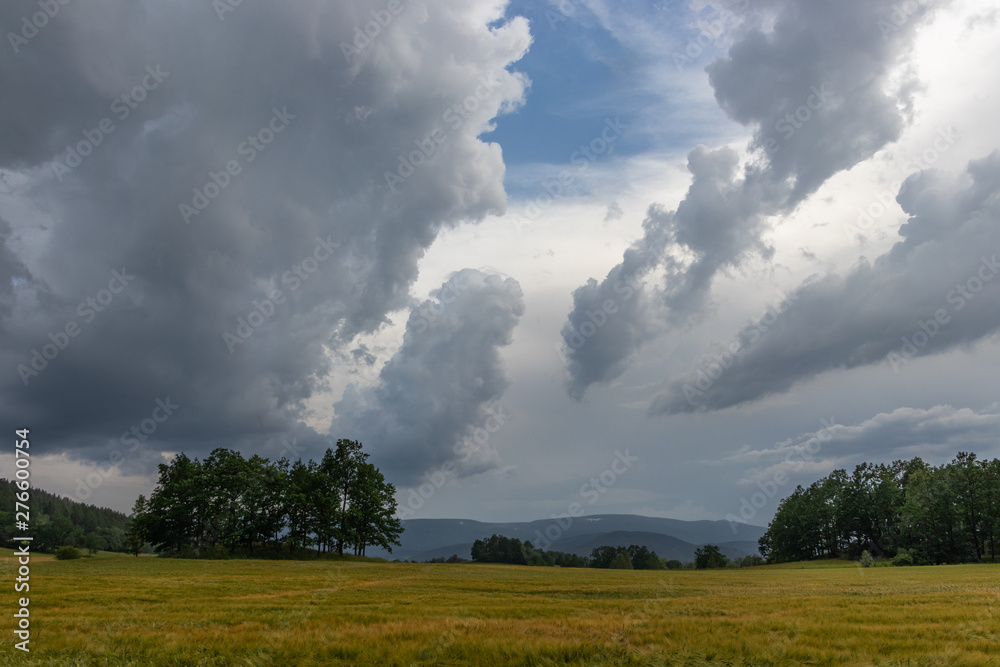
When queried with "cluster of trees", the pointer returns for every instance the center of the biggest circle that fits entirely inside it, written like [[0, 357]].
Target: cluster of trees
[[57, 522], [227, 505], [709, 557], [454, 558], [922, 513], [632, 557], [500, 549]]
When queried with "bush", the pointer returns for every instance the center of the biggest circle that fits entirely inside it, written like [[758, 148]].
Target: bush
[[67, 553], [674, 565], [867, 560], [903, 558]]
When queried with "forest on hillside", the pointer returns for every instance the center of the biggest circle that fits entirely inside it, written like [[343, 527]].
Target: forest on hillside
[[909, 511], [57, 521]]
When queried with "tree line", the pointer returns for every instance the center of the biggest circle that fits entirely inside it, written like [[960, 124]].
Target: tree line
[[500, 549], [227, 505], [907, 510], [510, 550], [57, 521]]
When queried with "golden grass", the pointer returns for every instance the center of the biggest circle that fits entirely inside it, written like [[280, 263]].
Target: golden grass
[[143, 611]]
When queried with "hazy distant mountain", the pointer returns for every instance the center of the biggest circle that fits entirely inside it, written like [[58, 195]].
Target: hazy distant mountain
[[424, 539]]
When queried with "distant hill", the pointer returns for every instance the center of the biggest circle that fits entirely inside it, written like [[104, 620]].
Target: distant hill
[[424, 539]]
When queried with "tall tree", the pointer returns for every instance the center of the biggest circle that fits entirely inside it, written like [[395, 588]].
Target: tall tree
[[176, 506], [136, 536], [347, 461], [991, 505], [372, 511], [971, 496]]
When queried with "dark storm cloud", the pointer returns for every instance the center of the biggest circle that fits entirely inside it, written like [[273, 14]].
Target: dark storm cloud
[[936, 289], [443, 384], [815, 82], [205, 201]]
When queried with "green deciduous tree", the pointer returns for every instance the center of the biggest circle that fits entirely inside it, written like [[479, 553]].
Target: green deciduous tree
[[709, 557], [943, 514], [229, 504]]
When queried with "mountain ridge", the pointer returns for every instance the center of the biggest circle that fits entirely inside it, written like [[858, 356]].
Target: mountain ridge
[[423, 539]]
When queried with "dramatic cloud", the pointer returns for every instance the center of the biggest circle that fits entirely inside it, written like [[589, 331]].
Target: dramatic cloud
[[822, 87], [933, 291], [203, 206], [220, 221], [437, 399]]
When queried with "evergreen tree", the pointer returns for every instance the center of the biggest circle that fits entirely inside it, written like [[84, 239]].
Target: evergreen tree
[[135, 538]]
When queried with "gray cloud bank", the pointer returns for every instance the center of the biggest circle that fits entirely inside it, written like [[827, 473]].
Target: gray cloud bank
[[933, 291], [235, 169], [816, 82], [436, 400]]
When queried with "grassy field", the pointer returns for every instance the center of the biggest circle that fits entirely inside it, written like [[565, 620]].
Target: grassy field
[[148, 611]]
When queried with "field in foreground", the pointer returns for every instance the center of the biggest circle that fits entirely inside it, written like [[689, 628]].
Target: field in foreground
[[146, 611]]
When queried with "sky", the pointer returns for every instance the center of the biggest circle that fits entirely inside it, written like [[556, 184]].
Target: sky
[[668, 258]]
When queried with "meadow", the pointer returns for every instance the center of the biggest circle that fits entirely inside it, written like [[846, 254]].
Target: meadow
[[149, 611]]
